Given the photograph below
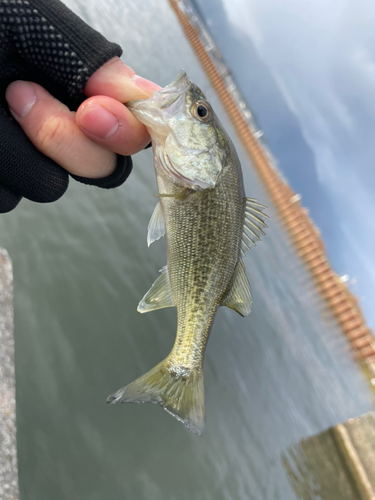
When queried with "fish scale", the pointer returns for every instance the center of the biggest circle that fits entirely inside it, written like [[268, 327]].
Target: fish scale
[[209, 225]]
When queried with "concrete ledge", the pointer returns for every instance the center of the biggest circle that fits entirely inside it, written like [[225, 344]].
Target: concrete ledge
[[8, 449], [338, 464]]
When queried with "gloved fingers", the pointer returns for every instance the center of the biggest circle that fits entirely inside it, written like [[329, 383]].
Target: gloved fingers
[[25, 171], [112, 125], [51, 127], [8, 200], [116, 79]]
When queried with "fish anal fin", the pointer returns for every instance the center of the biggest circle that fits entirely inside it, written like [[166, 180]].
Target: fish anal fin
[[159, 296], [156, 226], [239, 297]]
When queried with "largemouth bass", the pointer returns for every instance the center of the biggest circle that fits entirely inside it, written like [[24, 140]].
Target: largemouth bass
[[209, 225]]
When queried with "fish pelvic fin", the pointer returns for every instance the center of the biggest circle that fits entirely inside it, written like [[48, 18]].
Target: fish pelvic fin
[[178, 390], [156, 226]]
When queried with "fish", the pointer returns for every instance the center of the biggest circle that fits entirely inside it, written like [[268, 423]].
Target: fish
[[209, 225]]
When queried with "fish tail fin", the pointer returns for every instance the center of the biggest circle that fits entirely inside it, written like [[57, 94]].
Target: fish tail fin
[[179, 391]]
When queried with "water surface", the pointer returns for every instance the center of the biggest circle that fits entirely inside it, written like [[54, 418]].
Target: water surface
[[81, 266]]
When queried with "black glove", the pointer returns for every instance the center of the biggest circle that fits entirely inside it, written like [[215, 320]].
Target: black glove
[[44, 42]]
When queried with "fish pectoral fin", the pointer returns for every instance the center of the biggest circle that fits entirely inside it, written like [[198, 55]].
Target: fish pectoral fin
[[253, 224], [159, 295], [239, 297], [156, 226]]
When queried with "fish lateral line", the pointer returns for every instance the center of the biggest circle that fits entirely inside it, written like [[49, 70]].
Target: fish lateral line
[[179, 196]]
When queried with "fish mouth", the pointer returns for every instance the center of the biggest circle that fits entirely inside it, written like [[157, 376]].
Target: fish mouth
[[154, 111], [179, 85]]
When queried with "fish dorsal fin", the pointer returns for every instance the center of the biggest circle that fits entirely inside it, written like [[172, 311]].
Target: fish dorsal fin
[[156, 226], [159, 295], [239, 298], [253, 223]]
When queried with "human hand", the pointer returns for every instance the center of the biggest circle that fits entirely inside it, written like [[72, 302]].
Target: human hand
[[85, 142], [47, 45]]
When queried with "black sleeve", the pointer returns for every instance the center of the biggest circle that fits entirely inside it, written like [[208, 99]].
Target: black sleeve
[[44, 42]]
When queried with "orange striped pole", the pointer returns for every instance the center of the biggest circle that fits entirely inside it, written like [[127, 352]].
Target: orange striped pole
[[301, 229]]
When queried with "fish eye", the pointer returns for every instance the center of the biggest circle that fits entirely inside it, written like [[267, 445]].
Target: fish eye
[[202, 111]]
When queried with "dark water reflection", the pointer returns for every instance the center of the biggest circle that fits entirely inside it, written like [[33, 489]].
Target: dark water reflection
[[81, 266]]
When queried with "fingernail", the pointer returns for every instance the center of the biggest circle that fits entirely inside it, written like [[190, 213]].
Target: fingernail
[[97, 121], [146, 85], [21, 98]]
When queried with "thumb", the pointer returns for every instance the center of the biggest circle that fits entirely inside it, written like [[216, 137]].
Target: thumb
[[117, 80]]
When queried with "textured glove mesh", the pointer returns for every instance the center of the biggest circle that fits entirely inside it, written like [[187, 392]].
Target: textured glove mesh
[[44, 42]]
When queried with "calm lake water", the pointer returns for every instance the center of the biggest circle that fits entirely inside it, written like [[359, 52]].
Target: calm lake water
[[81, 266]]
